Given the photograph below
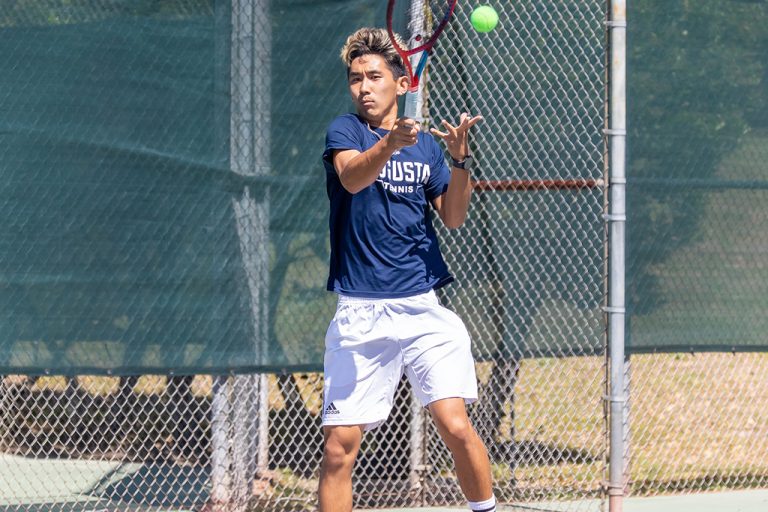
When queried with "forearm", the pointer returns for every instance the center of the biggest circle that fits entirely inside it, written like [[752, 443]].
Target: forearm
[[362, 170], [456, 199], [453, 205]]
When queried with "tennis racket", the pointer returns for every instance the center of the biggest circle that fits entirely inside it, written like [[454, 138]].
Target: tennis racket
[[425, 22]]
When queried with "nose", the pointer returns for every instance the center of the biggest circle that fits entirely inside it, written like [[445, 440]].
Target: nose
[[365, 85]]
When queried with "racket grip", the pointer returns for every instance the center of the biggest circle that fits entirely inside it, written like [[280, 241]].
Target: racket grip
[[411, 110]]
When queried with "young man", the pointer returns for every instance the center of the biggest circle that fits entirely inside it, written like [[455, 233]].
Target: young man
[[383, 175]]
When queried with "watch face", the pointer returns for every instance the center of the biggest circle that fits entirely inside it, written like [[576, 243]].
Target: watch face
[[462, 164]]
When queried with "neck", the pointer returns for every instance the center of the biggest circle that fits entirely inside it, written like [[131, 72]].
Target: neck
[[387, 121]]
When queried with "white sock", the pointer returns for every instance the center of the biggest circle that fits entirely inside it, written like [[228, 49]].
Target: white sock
[[488, 505]]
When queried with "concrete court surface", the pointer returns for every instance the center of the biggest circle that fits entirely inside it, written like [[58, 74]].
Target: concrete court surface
[[729, 501], [36, 484]]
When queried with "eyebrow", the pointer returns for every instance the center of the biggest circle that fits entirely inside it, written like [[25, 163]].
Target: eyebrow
[[365, 72]]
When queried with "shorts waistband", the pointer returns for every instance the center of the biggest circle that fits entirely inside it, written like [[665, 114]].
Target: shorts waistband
[[346, 299]]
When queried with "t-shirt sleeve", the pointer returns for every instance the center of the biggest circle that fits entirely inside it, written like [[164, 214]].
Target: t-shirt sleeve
[[343, 133], [440, 175]]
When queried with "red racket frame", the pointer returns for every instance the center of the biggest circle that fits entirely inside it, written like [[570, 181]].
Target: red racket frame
[[426, 47]]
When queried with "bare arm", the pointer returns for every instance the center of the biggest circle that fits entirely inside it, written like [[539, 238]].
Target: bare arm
[[358, 170], [453, 205]]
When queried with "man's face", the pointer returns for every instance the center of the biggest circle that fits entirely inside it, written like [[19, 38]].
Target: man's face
[[373, 87]]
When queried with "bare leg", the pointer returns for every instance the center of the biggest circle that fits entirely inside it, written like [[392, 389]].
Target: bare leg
[[473, 468], [341, 446]]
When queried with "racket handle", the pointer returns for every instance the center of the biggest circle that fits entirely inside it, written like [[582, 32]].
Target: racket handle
[[411, 110]]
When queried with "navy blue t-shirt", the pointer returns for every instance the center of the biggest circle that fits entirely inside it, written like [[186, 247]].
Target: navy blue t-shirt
[[383, 243]]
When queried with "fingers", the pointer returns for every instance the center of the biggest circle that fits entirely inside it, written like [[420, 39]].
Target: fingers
[[472, 122], [437, 132], [465, 123], [410, 129], [456, 137], [408, 124], [404, 133], [456, 132], [450, 129]]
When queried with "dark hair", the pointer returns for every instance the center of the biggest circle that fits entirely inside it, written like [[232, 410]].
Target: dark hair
[[372, 41]]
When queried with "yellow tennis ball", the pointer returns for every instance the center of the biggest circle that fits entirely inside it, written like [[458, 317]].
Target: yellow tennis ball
[[484, 18]]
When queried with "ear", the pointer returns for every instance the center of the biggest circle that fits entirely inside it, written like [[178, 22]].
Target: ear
[[402, 85]]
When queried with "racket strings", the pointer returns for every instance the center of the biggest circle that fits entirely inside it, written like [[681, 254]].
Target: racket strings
[[421, 21], [425, 16], [421, 26]]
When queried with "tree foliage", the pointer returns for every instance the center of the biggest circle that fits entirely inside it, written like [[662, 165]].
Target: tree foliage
[[696, 86]]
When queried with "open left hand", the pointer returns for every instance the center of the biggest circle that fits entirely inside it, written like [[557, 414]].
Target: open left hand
[[456, 137]]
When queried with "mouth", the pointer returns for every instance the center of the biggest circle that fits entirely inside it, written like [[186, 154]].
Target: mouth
[[367, 102]]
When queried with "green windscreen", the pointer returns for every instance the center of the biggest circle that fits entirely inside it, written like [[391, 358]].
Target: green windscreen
[[164, 200], [123, 243], [697, 178], [118, 246]]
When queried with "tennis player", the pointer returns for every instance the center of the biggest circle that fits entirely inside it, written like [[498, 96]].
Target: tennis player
[[383, 176]]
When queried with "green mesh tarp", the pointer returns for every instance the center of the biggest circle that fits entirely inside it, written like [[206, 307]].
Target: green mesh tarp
[[119, 251], [122, 245], [529, 261], [697, 183], [163, 198]]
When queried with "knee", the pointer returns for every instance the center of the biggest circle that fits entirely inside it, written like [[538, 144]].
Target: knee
[[339, 454], [458, 432]]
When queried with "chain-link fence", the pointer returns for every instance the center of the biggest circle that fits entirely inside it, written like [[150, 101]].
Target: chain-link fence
[[529, 266], [108, 443], [697, 274], [530, 259], [698, 422]]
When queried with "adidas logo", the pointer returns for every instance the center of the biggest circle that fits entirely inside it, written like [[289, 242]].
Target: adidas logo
[[331, 409]]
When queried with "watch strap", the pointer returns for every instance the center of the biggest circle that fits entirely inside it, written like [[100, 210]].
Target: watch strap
[[460, 164]]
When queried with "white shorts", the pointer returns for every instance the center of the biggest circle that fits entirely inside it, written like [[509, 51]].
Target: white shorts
[[372, 342]]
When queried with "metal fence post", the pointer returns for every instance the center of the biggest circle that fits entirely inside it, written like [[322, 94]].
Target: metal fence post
[[220, 460], [616, 218], [250, 77], [417, 450]]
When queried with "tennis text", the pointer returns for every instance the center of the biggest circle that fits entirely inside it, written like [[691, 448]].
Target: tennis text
[[410, 172], [400, 177]]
